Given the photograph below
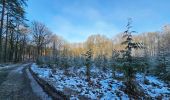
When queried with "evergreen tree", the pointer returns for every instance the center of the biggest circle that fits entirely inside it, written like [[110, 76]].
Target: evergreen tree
[[98, 60], [129, 70], [65, 60], [104, 62], [146, 65], [114, 62], [131, 85], [3, 3], [161, 57], [88, 63], [12, 24]]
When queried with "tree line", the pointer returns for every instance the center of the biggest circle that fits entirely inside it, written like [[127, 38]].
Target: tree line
[[35, 42], [12, 30]]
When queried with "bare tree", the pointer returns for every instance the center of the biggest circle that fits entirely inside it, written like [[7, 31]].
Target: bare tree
[[41, 37]]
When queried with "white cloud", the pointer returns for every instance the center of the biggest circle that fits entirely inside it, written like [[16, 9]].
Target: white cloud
[[76, 22], [76, 33]]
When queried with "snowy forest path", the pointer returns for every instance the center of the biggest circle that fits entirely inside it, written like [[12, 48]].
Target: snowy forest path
[[15, 84]]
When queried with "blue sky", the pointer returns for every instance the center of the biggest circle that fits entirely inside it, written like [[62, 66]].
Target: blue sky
[[75, 20]]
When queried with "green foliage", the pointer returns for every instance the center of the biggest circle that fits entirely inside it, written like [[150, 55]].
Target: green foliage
[[64, 60], [45, 61], [161, 58], [128, 64], [97, 61], [88, 63], [39, 61], [88, 56], [114, 62], [162, 69]]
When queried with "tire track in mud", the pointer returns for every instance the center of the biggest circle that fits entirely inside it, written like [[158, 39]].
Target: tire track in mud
[[16, 86]]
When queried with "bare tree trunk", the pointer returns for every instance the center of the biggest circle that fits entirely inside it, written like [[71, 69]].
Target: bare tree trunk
[[11, 47], [6, 40], [16, 50], [16, 46], [88, 73], [24, 48], [1, 27], [38, 51]]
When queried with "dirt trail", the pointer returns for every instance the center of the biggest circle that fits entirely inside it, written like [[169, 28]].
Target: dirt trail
[[16, 85]]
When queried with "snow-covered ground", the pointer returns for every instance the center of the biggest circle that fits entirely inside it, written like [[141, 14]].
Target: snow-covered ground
[[102, 85], [155, 87], [19, 69], [36, 88], [7, 66]]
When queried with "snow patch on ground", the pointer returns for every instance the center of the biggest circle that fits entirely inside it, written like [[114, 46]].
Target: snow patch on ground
[[42, 72], [36, 88], [8, 66], [102, 85], [155, 87], [20, 68]]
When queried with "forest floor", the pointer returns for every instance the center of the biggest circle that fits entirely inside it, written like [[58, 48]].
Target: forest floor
[[17, 84], [102, 85]]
